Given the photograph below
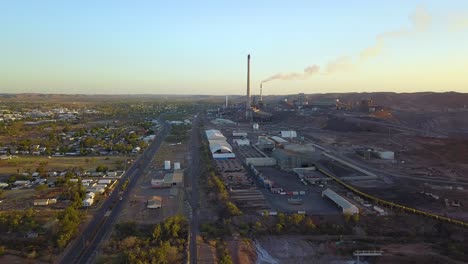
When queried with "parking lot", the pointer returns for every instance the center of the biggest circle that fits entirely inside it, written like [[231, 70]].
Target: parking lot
[[313, 203]]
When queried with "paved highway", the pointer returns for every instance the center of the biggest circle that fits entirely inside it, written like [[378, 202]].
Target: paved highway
[[86, 244], [194, 172]]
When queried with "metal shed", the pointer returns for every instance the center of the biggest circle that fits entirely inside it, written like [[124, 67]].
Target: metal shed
[[345, 205]]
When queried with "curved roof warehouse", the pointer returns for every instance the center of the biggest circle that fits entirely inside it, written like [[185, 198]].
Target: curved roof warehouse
[[214, 134], [219, 147]]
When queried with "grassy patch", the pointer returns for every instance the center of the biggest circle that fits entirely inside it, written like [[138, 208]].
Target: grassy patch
[[29, 163]]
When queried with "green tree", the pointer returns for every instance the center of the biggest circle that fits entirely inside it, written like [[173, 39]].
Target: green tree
[[258, 226], [347, 217], [278, 228], [157, 232], [233, 209], [356, 218], [282, 219], [295, 219], [309, 224], [101, 168]]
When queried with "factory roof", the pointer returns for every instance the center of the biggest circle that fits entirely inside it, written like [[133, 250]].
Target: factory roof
[[220, 146], [305, 148], [288, 134], [241, 142], [214, 134], [339, 200]]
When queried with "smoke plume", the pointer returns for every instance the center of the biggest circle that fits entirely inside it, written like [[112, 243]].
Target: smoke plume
[[420, 21], [343, 63], [309, 71]]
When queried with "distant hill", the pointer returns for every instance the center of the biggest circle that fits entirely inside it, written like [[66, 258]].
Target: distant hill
[[423, 100], [38, 97]]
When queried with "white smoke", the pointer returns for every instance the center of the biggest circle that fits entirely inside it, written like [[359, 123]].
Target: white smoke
[[309, 71]]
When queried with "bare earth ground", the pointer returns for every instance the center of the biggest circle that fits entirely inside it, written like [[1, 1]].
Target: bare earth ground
[[172, 198], [411, 253], [298, 249], [12, 259], [242, 250], [206, 252]]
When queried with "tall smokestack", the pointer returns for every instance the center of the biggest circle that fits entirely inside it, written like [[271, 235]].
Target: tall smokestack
[[261, 88], [226, 101], [248, 104]]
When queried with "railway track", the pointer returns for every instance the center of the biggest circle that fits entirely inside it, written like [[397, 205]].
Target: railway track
[[82, 251], [394, 205]]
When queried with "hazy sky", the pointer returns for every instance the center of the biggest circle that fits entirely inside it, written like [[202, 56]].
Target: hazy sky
[[200, 47]]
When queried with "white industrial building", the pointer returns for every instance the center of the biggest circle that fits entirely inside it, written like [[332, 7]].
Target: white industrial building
[[219, 147], [214, 134], [278, 140], [387, 155], [88, 202], [239, 134], [170, 179], [288, 134], [241, 142], [104, 181], [345, 205]]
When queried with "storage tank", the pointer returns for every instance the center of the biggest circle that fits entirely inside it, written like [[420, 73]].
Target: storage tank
[[255, 126], [167, 164], [176, 165]]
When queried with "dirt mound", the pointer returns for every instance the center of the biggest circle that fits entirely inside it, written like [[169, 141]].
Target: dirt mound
[[425, 100], [452, 149], [346, 125]]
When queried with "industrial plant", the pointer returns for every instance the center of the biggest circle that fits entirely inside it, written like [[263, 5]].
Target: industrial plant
[[322, 156]]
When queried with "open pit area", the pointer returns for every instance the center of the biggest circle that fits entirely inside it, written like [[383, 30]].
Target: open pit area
[[427, 170], [400, 168], [430, 163]]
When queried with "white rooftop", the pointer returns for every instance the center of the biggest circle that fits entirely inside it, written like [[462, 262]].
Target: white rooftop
[[214, 134], [339, 200], [279, 139]]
